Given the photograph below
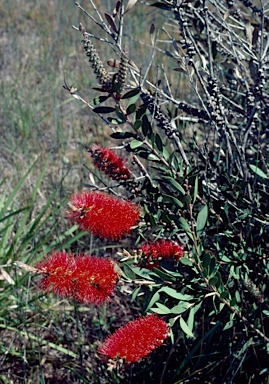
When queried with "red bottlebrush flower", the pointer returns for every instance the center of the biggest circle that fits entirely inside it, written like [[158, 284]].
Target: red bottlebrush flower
[[88, 279], [136, 339], [110, 163], [57, 271], [162, 249], [95, 279], [104, 215]]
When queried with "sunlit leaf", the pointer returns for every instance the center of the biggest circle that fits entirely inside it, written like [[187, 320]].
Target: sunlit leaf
[[135, 144], [201, 220], [129, 5], [185, 327], [258, 171]]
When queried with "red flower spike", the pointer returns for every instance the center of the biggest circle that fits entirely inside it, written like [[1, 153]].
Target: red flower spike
[[166, 249], [136, 339], [95, 279], [104, 215], [110, 163], [88, 279], [57, 272]]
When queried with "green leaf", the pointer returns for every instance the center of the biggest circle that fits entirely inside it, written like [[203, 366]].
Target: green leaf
[[176, 295], [142, 109], [133, 100], [195, 192], [186, 261], [201, 220], [135, 144], [173, 200], [146, 127], [129, 272], [143, 272], [120, 115], [98, 100], [153, 157], [153, 300], [212, 266], [206, 260], [185, 327], [238, 297], [213, 281], [131, 93], [163, 308], [219, 283], [158, 142], [159, 311], [266, 313], [228, 325], [115, 121], [258, 171], [184, 225], [122, 135], [137, 124], [190, 321], [161, 6], [131, 109], [164, 276], [135, 293], [104, 110], [245, 347], [180, 308], [174, 184]]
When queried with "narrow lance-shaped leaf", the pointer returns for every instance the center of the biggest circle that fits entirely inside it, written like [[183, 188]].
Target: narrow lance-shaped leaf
[[111, 22], [131, 93], [185, 327], [195, 192], [129, 5], [174, 184], [98, 100], [152, 34], [258, 171], [122, 135], [201, 220], [104, 109], [135, 144]]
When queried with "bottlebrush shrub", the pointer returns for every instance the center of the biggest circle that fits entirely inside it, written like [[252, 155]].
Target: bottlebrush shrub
[[103, 215], [88, 279], [109, 162], [136, 339]]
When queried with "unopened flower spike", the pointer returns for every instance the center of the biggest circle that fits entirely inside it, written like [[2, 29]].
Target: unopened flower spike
[[109, 162]]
